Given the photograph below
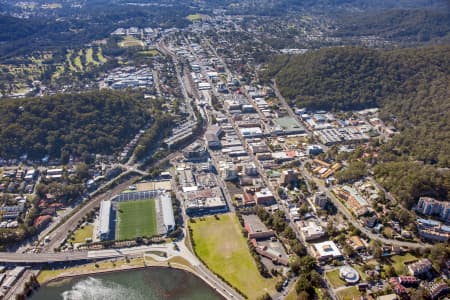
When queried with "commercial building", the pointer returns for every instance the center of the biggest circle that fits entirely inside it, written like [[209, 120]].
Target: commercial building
[[256, 229], [202, 206], [288, 176], [104, 226], [212, 136], [251, 132], [433, 230], [13, 211], [348, 274], [420, 267], [354, 200], [228, 171], [356, 243], [438, 290], [310, 230], [432, 207], [54, 174], [287, 126], [264, 197], [250, 169], [312, 150], [320, 199], [195, 152], [326, 250]]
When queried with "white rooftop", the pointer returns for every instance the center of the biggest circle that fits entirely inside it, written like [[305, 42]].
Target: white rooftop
[[327, 249]]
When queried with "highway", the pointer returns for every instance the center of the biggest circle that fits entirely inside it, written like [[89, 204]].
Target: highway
[[59, 233]]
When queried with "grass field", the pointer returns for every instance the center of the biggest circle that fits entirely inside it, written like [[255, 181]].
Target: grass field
[[69, 61], [152, 52], [136, 219], [360, 271], [334, 279], [90, 57], [130, 41], [292, 295], [221, 245], [399, 261], [348, 293], [45, 275], [100, 56], [194, 17], [82, 234], [77, 60]]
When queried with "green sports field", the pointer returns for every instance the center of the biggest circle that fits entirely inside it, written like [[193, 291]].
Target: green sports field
[[221, 245], [136, 219]]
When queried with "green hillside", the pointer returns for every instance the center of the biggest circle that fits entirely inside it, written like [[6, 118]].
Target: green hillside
[[411, 87], [79, 124]]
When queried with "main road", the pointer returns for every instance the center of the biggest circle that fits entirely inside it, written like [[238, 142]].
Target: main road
[[343, 210]]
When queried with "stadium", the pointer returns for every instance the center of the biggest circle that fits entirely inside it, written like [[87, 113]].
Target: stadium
[[136, 214]]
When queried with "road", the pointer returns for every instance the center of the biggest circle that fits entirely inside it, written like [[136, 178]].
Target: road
[[59, 234], [350, 218], [322, 188]]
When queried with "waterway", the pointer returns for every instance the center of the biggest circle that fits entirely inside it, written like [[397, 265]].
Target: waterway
[[145, 284]]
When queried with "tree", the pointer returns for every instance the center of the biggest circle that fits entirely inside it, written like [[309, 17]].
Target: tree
[[315, 278], [390, 271], [308, 263], [298, 248], [289, 233], [265, 296], [279, 285], [439, 255], [82, 171], [295, 265], [303, 295], [419, 294], [303, 285], [375, 247]]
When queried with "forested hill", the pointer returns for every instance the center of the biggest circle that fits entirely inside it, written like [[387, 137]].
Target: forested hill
[[79, 124], [412, 87], [405, 25]]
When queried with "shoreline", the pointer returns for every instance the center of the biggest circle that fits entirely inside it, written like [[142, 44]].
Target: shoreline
[[152, 264]]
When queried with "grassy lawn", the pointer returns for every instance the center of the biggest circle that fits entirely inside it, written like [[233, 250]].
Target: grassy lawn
[[58, 72], [152, 52], [69, 61], [130, 41], [194, 17], [362, 274], [82, 234], [90, 57], [46, 275], [334, 279], [100, 56], [220, 244], [292, 295], [77, 61], [399, 261], [136, 218], [348, 293]]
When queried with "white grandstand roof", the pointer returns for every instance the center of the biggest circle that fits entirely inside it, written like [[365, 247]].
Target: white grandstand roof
[[166, 203], [105, 211]]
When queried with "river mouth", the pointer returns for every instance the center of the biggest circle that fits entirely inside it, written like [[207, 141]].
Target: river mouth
[[148, 283]]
